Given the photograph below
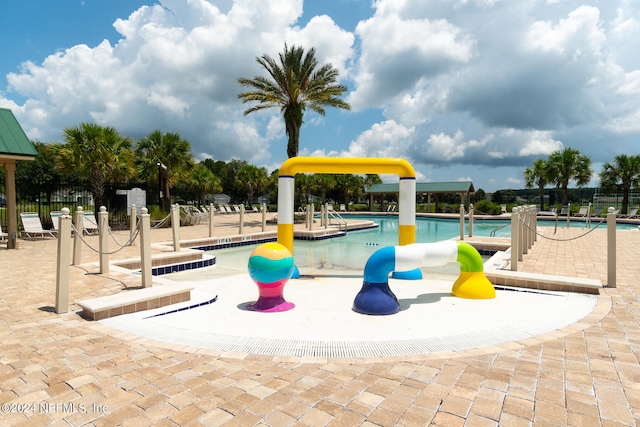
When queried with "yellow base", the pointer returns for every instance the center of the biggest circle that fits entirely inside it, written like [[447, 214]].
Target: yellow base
[[473, 286]]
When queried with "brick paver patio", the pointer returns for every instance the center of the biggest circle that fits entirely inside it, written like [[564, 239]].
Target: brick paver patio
[[64, 370]]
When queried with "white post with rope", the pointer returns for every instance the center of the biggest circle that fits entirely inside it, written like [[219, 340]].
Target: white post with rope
[[461, 221], [133, 223], [470, 219], [311, 213], [514, 238], [175, 226], [77, 237], [62, 272], [211, 216], [241, 229], [145, 248], [611, 247], [263, 210], [103, 228]]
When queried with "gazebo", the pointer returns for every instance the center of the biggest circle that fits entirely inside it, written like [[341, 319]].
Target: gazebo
[[14, 146], [463, 188]]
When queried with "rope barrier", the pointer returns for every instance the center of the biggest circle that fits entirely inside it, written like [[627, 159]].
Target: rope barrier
[[564, 240], [75, 230]]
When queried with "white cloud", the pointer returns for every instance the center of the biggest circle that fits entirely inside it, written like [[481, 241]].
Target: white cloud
[[386, 139]]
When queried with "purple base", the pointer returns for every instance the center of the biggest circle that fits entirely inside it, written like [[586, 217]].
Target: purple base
[[271, 305]]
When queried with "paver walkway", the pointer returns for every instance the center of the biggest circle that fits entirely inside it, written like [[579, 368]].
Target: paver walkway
[[64, 370]]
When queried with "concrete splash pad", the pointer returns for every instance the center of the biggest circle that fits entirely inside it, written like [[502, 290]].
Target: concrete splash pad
[[322, 323]]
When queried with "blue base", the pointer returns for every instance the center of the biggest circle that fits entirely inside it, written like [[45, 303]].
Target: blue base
[[296, 272], [376, 299], [407, 275]]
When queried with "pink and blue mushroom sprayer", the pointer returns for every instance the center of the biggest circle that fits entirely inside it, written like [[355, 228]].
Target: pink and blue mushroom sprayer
[[270, 267]]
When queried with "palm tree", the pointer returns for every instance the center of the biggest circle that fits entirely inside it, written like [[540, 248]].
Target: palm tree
[[165, 158], [202, 181], [294, 86], [95, 152], [623, 174], [568, 165], [538, 176]]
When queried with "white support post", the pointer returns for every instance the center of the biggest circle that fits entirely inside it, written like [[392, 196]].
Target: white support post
[[62, 273], [520, 235], [471, 220], [611, 247], [211, 216], [568, 215], [311, 213], [263, 210], [514, 239], [77, 237], [145, 248], [241, 230], [461, 221], [175, 226], [133, 224], [103, 229]]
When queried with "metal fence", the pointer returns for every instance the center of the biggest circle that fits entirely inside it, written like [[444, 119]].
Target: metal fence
[[45, 196]]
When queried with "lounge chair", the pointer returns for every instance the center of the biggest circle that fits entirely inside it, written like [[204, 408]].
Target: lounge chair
[[565, 211], [633, 213], [89, 223], [55, 215], [3, 235], [32, 226], [597, 211], [584, 211]]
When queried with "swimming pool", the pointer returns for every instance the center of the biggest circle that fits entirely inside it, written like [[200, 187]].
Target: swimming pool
[[348, 255]]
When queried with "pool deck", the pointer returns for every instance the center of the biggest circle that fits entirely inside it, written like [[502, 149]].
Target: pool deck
[[65, 370]]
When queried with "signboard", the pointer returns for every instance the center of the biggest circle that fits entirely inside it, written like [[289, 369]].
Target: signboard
[[136, 196]]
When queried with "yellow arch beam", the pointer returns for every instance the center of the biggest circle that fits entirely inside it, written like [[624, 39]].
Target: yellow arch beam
[[295, 165], [340, 165]]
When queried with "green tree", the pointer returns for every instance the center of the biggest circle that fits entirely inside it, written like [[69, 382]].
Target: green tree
[[295, 84], [568, 165], [165, 158], [201, 181], [351, 186], [537, 176], [621, 176], [96, 152], [369, 180], [252, 178]]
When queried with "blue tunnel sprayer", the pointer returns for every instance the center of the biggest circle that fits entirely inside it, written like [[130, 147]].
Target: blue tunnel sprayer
[[375, 296]]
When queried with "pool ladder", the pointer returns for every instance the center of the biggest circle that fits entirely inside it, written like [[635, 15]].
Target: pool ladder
[[339, 219]]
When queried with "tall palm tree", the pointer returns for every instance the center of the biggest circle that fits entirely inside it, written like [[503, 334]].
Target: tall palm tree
[[538, 176], [569, 165], [166, 158], [96, 152], [294, 86], [623, 174]]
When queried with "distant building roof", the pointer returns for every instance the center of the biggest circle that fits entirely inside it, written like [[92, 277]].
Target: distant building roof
[[13, 141], [427, 187]]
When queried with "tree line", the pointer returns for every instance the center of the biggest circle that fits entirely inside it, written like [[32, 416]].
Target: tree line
[[568, 165], [100, 155]]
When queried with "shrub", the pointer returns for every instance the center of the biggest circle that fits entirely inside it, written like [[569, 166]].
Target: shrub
[[486, 207]]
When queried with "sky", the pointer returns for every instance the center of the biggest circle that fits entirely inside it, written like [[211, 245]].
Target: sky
[[462, 89]]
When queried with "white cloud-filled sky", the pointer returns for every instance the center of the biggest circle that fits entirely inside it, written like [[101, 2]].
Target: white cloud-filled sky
[[463, 89]]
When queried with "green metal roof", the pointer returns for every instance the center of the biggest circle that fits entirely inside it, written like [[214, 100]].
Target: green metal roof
[[13, 140], [427, 187]]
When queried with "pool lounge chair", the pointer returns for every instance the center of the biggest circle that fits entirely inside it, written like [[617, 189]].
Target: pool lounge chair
[[3, 235], [633, 213], [584, 211], [32, 226], [89, 223]]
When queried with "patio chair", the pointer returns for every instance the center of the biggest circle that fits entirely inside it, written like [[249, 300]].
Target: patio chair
[[32, 226], [584, 211], [565, 211], [3, 235], [89, 222], [597, 211], [633, 213], [55, 215]]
